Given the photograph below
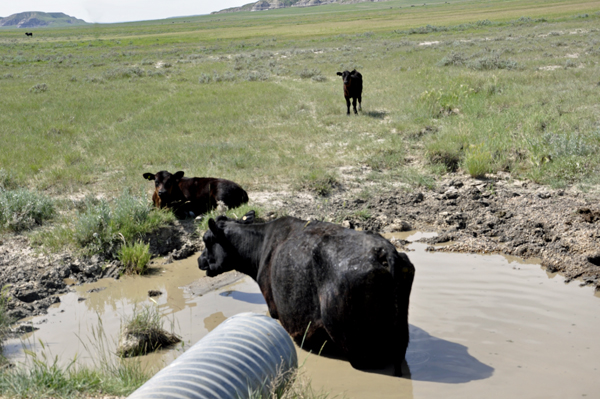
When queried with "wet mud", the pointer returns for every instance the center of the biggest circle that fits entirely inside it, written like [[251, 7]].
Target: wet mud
[[480, 326]]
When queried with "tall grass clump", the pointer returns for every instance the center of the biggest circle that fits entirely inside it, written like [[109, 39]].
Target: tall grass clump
[[22, 209], [446, 152], [135, 257], [143, 332], [5, 320], [478, 161]]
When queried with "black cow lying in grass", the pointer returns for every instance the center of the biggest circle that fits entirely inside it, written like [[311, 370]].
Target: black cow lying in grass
[[323, 282], [193, 196], [353, 85]]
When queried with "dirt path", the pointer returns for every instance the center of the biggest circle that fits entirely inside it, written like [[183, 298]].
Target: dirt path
[[495, 215]]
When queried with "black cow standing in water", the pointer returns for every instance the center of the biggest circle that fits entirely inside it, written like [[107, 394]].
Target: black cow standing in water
[[193, 196], [353, 86], [323, 282]]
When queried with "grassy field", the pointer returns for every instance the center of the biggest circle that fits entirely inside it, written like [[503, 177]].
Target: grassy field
[[505, 86], [476, 86]]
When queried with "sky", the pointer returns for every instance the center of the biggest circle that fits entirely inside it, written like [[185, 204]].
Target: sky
[[105, 11]]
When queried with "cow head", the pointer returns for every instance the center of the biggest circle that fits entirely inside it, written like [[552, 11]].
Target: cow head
[[347, 76], [165, 183], [221, 254]]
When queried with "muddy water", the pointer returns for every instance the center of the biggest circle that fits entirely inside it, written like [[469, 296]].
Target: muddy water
[[481, 326]]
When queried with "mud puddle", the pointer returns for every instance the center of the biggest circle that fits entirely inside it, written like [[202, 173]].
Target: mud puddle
[[481, 326], [70, 328]]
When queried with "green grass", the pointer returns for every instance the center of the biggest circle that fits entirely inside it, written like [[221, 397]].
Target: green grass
[[5, 322], [45, 376], [253, 97], [474, 86], [22, 209]]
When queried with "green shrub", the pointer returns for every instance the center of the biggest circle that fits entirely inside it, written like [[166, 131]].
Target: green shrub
[[39, 88], [124, 73], [204, 78], [491, 63], [309, 73], [255, 76], [135, 257], [102, 228], [453, 58], [23, 209]]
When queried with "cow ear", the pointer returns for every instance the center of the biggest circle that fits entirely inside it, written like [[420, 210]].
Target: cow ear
[[339, 74], [148, 176], [248, 218], [179, 175], [212, 225]]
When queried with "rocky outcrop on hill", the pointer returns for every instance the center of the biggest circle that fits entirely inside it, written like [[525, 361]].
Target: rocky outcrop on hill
[[36, 19], [263, 5]]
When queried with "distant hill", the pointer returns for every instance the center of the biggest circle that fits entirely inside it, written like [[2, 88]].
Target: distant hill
[[262, 5], [36, 19]]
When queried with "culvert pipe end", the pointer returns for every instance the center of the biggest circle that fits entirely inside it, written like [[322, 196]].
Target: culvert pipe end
[[246, 354]]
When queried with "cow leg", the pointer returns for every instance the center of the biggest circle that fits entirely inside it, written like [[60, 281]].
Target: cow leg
[[354, 105], [360, 103], [359, 316], [403, 272], [348, 105]]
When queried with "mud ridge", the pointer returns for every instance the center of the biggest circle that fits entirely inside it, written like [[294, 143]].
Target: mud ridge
[[35, 280]]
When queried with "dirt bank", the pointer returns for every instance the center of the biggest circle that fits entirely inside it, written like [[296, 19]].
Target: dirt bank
[[494, 215]]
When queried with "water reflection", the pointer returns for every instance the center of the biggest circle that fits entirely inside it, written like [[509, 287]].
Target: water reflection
[[434, 359], [248, 297]]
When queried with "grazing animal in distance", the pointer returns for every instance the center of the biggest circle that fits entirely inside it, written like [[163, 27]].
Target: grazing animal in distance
[[193, 196], [353, 85], [323, 282], [28, 33]]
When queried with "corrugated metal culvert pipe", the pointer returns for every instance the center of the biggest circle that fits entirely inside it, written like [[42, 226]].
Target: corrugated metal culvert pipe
[[247, 353]]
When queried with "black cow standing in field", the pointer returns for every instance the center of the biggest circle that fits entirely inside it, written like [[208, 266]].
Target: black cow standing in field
[[28, 33], [193, 196], [323, 282], [353, 86]]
